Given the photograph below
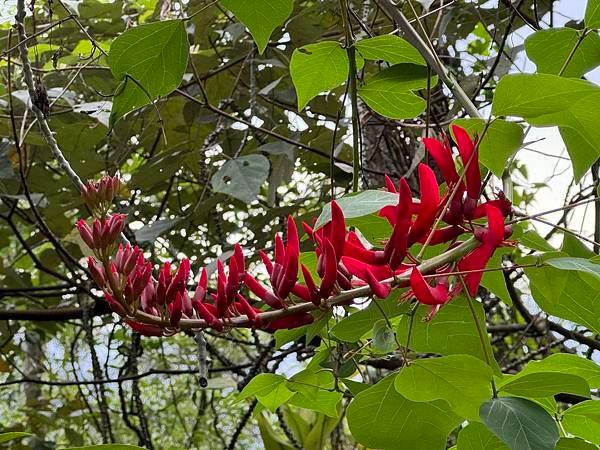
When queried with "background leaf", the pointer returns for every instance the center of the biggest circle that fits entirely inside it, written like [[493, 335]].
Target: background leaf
[[242, 177], [390, 48], [583, 420]]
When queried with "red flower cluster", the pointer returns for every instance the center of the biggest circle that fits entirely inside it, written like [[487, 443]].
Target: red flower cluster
[[155, 306], [99, 195]]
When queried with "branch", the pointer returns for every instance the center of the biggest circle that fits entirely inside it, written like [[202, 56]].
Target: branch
[[28, 77], [400, 20]]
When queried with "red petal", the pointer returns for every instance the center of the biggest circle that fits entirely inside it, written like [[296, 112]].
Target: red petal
[[329, 267], [381, 290], [430, 199], [443, 158], [466, 148], [338, 229]]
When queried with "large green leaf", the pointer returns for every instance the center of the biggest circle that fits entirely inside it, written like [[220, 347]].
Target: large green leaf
[[592, 14], [155, 55], [476, 436], [107, 447], [544, 384], [462, 380], [316, 68], [261, 17], [520, 423], [315, 391], [390, 92], [373, 227], [550, 100], [269, 389], [242, 177], [500, 141], [583, 420], [569, 294], [5, 437], [390, 48], [494, 281], [451, 332], [359, 323], [566, 363], [379, 417], [574, 444], [358, 205], [550, 49], [578, 264]]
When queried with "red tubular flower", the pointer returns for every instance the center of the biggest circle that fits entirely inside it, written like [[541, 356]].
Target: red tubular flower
[[127, 258], [430, 200], [442, 235], [313, 291], [96, 271], [329, 265], [397, 246], [469, 157], [289, 322], [337, 230], [442, 155], [491, 238], [145, 329], [100, 194], [502, 203], [207, 313], [354, 248], [115, 305], [426, 294], [175, 309], [261, 292], [86, 233], [381, 290], [245, 308], [103, 233]]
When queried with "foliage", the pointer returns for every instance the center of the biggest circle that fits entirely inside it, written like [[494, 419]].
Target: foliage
[[224, 118]]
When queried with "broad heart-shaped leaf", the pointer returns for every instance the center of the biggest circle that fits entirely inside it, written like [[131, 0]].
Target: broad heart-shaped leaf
[[579, 264], [568, 294], [520, 423], [500, 141], [261, 17], [242, 177], [461, 380], [451, 332], [544, 384], [574, 444], [5, 437], [566, 363], [390, 92], [379, 417], [316, 68], [359, 323], [592, 14], [476, 436], [583, 420], [358, 205], [269, 389], [314, 390], [549, 100], [390, 48], [155, 55], [550, 49]]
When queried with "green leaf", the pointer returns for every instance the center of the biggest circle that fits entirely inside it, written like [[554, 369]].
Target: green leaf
[[261, 17], [583, 420], [149, 233], [550, 49], [565, 363], [574, 247], [390, 48], [579, 264], [532, 240], [242, 177], [379, 417], [155, 55], [5, 437], [316, 68], [314, 391], [451, 332], [549, 100], [493, 280], [544, 384], [574, 444], [358, 205], [592, 14], [374, 228], [500, 142], [359, 323], [269, 389], [389, 92], [383, 336], [462, 380], [568, 294], [520, 423], [476, 436], [270, 439]]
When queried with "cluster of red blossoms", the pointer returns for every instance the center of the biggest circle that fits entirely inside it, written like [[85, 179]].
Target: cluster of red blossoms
[[162, 305]]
